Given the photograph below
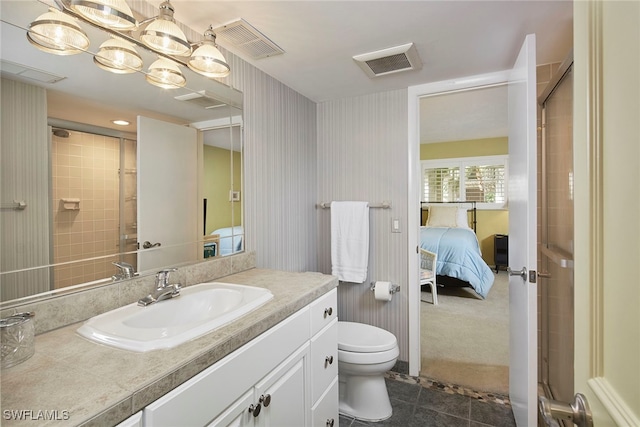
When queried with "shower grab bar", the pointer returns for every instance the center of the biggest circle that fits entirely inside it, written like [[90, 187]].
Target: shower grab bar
[[383, 205], [16, 205], [557, 255]]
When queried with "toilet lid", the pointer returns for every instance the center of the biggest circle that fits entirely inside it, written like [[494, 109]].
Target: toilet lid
[[362, 338]]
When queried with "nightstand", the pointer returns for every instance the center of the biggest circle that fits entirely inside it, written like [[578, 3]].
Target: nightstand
[[501, 250]]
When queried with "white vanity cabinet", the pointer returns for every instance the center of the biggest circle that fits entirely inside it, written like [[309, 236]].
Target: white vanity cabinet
[[285, 377], [324, 360]]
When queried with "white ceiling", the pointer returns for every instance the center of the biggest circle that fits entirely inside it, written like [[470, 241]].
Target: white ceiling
[[460, 116], [453, 38]]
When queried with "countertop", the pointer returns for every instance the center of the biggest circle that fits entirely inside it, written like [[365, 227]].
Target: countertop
[[72, 381]]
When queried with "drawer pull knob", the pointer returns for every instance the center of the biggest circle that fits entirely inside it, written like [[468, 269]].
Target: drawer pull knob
[[255, 409], [328, 360], [330, 422], [265, 400], [328, 311]]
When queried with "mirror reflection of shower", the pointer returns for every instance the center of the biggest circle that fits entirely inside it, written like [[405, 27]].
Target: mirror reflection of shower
[[93, 194]]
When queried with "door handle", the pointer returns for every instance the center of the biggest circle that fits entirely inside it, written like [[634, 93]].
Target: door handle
[[148, 244], [522, 273], [578, 411]]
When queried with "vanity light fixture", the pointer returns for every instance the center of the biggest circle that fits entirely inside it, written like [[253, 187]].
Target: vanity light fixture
[[57, 33], [164, 35], [115, 14], [165, 74], [118, 56], [207, 59]]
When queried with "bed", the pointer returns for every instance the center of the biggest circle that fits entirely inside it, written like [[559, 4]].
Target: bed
[[224, 241], [447, 233]]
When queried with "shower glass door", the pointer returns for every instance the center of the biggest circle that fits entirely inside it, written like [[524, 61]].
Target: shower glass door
[[557, 247], [128, 201]]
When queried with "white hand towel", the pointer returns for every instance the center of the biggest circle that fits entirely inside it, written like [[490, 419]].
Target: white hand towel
[[350, 241]]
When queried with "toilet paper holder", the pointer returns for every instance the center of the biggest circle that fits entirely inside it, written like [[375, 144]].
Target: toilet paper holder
[[392, 290]]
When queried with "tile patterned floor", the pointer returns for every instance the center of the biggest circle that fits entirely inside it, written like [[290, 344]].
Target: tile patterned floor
[[418, 402]]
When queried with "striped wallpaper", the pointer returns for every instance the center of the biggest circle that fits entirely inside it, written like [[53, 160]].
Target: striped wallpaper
[[25, 177], [362, 156], [299, 153]]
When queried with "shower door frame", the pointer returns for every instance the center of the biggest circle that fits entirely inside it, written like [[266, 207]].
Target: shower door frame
[[545, 387]]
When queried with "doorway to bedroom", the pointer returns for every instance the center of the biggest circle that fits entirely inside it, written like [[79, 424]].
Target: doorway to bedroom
[[464, 339]]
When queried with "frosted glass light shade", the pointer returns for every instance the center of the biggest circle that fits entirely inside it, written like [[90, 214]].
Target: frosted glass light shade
[[165, 74], [114, 14], [118, 56], [208, 61], [164, 35], [57, 33]]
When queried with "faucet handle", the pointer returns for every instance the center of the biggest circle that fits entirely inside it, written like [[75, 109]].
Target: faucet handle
[[127, 270], [162, 277]]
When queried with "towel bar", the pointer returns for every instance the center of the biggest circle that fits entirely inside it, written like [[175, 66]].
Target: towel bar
[[383, 205], [16, 205]]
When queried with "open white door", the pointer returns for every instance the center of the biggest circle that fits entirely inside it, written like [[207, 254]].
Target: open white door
[[523, 343], [167, 194]]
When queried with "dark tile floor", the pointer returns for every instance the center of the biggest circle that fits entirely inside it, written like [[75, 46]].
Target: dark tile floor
[[428, 404]]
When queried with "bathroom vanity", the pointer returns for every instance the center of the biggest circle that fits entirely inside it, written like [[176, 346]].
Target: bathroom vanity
[[275, 366]]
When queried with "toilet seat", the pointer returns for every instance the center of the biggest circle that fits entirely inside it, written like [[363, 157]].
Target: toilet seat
[[368, 358], [365, 344]]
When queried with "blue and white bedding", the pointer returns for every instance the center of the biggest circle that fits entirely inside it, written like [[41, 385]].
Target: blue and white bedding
[[458, 256], [230, 239]]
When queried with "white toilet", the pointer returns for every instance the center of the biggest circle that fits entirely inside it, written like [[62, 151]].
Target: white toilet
[[365, 353]]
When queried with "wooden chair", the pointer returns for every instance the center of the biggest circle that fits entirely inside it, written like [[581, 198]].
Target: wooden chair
[[428, 262]]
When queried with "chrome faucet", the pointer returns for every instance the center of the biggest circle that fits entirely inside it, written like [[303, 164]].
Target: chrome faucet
[[163, 289], [126, 271]]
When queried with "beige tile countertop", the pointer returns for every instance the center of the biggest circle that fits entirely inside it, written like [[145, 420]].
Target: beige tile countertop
[[72, 381]]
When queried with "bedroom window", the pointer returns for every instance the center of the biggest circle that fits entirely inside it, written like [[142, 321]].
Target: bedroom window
[[479, 179]]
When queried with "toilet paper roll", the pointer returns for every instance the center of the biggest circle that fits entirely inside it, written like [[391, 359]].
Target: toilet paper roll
[[382, 291]]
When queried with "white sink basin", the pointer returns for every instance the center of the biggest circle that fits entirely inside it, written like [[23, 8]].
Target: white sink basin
[[199, 309]]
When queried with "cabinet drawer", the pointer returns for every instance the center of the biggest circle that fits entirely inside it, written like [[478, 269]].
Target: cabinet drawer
[[202, 398], [324, 359], [323, 311], [325, 412]]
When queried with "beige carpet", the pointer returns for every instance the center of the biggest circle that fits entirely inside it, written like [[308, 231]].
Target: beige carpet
[[465, 340]]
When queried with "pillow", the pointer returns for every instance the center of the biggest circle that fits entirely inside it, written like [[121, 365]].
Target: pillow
[[462, 218], [447, 216], [442, 216]]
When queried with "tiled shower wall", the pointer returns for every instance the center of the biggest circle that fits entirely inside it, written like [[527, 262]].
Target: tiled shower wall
[[555, 293], [85, 167]]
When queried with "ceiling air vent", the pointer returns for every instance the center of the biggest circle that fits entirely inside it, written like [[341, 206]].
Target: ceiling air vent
[[202, 98], [239, 35], [391, 60], [24, 72]]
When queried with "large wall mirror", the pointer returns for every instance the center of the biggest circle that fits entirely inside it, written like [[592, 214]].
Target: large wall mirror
[[80, 193]]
